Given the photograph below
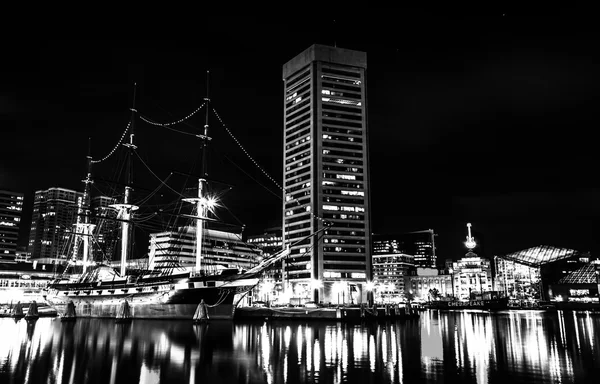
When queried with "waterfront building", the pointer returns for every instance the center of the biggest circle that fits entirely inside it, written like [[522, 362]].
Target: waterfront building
[[11, 207], [579, 286], [326, 179], [389, 272], [269, 242], [420, 244], [527, 274], [471, 275], [421, 283], [220, 249], [24, 281]]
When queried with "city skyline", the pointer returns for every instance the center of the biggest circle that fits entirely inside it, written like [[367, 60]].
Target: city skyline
[[489, 128]]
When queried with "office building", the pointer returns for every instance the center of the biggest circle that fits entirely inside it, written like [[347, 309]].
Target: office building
[[326, 178], [176, 250], [419, 244], [389, 273], [11, 206], [269, 242], [53, 221]]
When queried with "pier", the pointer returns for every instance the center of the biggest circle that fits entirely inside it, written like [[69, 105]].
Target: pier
[[335, 313]]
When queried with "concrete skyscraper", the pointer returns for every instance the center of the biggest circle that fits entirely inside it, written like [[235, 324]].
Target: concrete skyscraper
[[53, 224], [53, 216], [326, 178]]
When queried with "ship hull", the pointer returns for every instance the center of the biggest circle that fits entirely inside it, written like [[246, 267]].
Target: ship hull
[[161, 300]]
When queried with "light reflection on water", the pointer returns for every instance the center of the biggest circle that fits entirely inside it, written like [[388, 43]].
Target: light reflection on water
[[440, 347]]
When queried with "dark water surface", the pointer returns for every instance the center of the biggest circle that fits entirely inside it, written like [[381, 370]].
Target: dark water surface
[[440, 347]]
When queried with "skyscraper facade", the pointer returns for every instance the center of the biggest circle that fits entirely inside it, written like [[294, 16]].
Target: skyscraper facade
[[11, 206], [420, 244], [326, 175], [53, 225], [52, 219]]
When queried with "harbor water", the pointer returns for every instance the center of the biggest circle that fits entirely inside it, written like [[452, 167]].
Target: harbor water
[[439, 347]]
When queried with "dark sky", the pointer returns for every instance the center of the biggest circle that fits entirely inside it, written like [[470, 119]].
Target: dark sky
[[486, 116]]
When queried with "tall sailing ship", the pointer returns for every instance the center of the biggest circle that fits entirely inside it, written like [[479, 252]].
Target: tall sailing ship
[[164, 290]]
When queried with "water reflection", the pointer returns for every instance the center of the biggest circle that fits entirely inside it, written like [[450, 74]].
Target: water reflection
[[465, 347]]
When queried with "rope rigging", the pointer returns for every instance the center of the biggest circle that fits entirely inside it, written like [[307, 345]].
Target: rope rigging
[[116, 146], [262, 169], [177, 207]]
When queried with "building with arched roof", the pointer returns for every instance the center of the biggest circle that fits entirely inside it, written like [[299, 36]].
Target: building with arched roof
[[581, 286], [528, 274]]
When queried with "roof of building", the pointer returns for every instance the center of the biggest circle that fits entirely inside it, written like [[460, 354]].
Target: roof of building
[[540, 255], [584, 275]]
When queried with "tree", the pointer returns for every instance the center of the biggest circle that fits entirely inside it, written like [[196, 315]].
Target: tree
[[434, 294]]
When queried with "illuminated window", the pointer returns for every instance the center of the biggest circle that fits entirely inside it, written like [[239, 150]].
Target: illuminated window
[[353, 193]]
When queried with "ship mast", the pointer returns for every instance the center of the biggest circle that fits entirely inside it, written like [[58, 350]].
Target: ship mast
[[126, 208], [83, 227], [202, 202]]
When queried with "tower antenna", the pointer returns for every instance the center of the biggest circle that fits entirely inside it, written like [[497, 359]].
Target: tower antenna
[[334, 34]]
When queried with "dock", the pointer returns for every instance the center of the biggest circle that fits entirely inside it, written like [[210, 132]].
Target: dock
[[341, 313]]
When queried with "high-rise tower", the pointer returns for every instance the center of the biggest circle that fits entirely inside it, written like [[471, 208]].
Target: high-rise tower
[[11, 207], [53, 216], [326, 178]]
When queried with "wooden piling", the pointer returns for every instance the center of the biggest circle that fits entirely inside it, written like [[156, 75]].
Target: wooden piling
[[124, 313], [201, 314], [69, 314]]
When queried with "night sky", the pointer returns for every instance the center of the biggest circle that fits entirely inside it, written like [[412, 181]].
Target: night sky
[[484, 116]]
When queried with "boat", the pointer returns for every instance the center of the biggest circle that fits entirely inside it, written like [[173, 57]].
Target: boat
[[170, 292]]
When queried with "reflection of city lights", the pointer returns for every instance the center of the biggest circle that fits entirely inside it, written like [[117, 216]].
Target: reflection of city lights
[[300, 337], [287, 336], [265, 353], [530, 344], [576, 330], [372, 353], [317, 355], [148, 375]]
